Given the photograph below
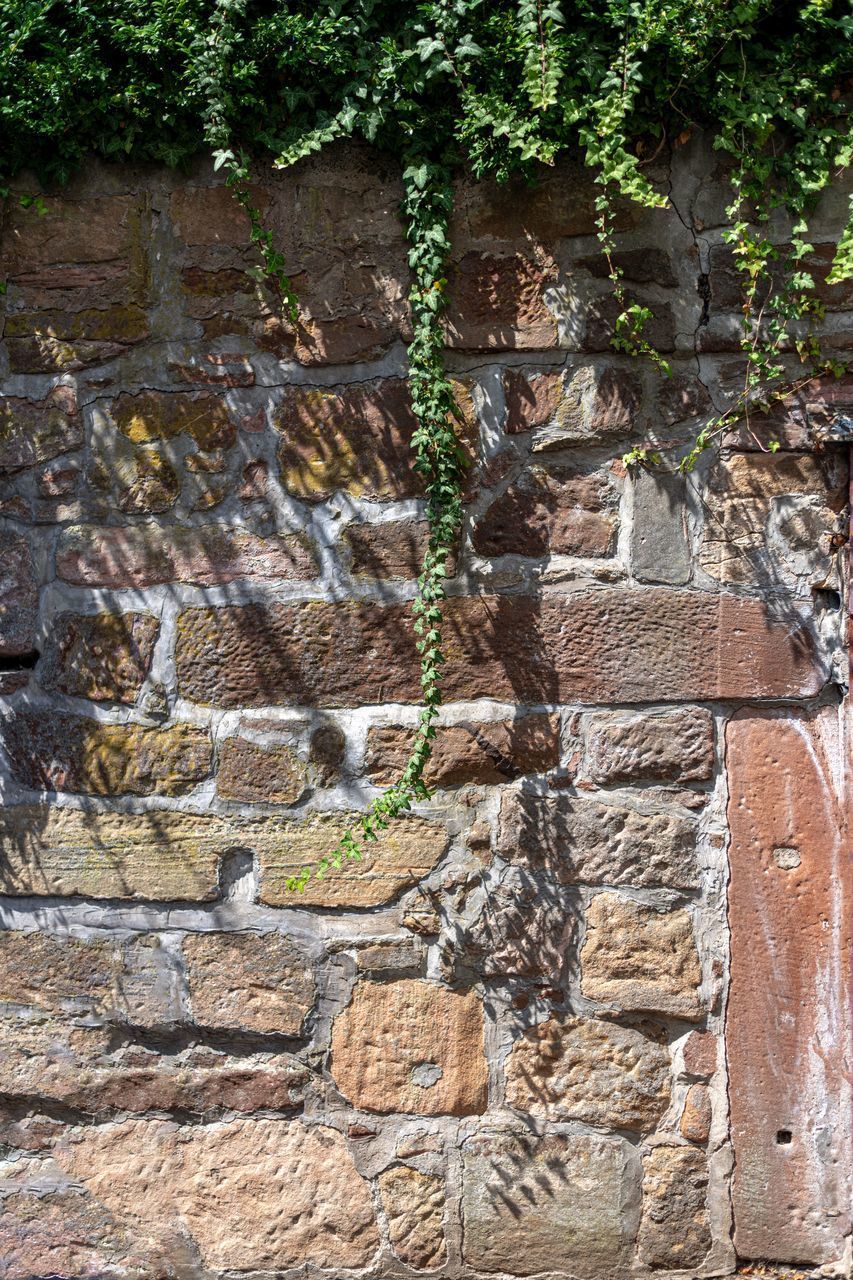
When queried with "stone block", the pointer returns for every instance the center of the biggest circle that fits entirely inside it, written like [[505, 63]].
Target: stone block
[[18, 596], [673, 746], [638, 958], [254, 774], [102, 656], [482, 752], [63, 341], [660, 551], [99, 229], [212, 216], [248, 982], [695, 1122], [414, 1206], [523, 930], [595, 407], [497, 303], [411, 1046], [33, 431], [674, 1233], [532, 399], [559, 511], [700, 1054], [388, 550], [164, 415]]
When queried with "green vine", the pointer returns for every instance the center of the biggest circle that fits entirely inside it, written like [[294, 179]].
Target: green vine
[[491, 87]]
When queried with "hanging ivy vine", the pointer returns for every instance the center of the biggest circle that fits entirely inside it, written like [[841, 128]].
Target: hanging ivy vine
[[491, 87]]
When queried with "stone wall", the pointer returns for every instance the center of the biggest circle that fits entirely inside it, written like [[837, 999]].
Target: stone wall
[[498, 1045]]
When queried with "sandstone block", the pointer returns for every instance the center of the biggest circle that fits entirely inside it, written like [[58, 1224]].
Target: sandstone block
[[639, 958], [207, 555], [102, 656], [65, 1234], [58, 341], [660, 551], [604, 311], [70, 753], [532, 399], [482, 752], [211, 215], [546, 1204], [259, 775], [581, 841], [33, 431], [387, 550], [523, 930], [591, 1071], [164, 415], [695, 1122], [594, 407], [254, 982], [560, 511], [223, 1186], [497, 303], [700, 1054], [411, 1046], [602, 645], [414, 1206], [98, 229], [674, 1231], [18, 596], [676, 746]]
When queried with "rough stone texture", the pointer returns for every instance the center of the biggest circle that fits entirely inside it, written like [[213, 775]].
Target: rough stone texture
[[660, 551], [411, 1046], [674, 1229], [596, 1072], [695, 1122], [259, 775], [482, 752], [208, 555], [700, 1054], [254, 982], [595, 406], [595, 645], [531, 399], [786, 1038], [675, 746], [18, 596], [154, 415], [556, 512], [103, 656], [524, 929], [497, 303], [414, 1206], [33, 431], [580, 841], [394, 550], [221, 1188], [639, 958], [69, 753], [547, 1204]]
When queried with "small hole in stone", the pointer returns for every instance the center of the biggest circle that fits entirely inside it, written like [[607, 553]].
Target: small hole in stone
[[784, 1138]]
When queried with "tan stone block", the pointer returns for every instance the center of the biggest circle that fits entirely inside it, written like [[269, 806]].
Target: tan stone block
[[255, 982], [481, 752], [553, 1204], [414, 1206], [71, 753], [411, 1046], [597, 1072], [639, 958], [695, 1123], [259, 775], [224, 1186], [102, 656], [673, 746], [62, 1233], [674, 1232]]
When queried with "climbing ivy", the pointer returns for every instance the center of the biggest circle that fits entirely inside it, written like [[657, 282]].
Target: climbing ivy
[[491, 87]]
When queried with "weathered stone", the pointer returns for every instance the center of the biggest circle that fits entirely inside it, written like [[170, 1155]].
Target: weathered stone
[[223, 1186], [163, 415], [532, 399], [211, 215], [674, 1232], [523, 930], [102, 656], [640, 958], [254, 982], [483, 752], [560, 511], [33, 431], [400, 857], [560, 204], [57, 341], [640, 266], [390, 957], [787, 1023], [594, 407], [259, 775], [98, 229], [207, 555], [327, 751], [695, 1122], [138, 480], [608, 644], [604, 311], [580, 841], [596, 1072], [659, 548], [70, 753], [546, 1204], [18, 596], [700, 1054], [675, 746], [414, 1206], [388, 550], [497, 302], [411, 1046], [62, 1233], [215, 370]]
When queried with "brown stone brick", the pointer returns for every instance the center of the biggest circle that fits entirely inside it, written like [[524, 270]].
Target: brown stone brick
[[18, 596], [605, 309], [220, 1189], [639, 266], [411, 1046], [53, 341], [388, 550], [596, 1072], [523, 930], [102, 656], [675, 746], [227, 369], [497, 302], [700, 1054], [639, 958], [62, 1233], [259, 775], [560, 204], [593, 407], [163, 415], [532, 399], [414, 1206], [559, 511], [33, 431], [482, 752], [98, 229], [211, 215], [248, 981], [552, 1204], [695, 1122], [579, 841], [207, 555], [139, 480], [609, 644], [70, 753], [787, 1023], [674, 1232], [400, 857]]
